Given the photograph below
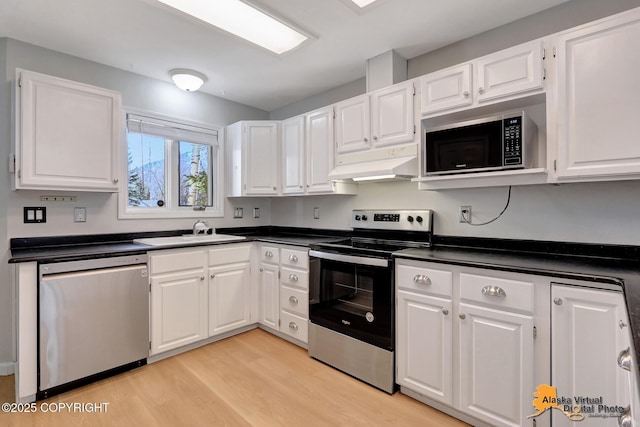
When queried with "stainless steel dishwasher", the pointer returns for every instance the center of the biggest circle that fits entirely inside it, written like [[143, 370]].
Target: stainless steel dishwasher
[[93, 320]]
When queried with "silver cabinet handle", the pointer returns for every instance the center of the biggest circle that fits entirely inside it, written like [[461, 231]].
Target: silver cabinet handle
[[268, 254], [293, 299], [493, 291], [422, 279], [462, 316], [293, 258], [365, 139], [293, 277], [465, 93], [293, 326], [481, 90], [375, 138], [115, 180], [625, 419], [201, 277], [557, 301], [274, 188], [445, 311], [624, 359], [212, 276]]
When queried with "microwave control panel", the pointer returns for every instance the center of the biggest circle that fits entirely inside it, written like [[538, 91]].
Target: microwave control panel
[[512, 141]]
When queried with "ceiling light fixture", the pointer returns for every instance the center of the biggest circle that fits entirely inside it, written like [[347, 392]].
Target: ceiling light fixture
[[363, 3], [187, 80], [244, 20]]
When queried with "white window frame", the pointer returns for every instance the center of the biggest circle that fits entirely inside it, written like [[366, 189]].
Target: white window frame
[[171, 208]]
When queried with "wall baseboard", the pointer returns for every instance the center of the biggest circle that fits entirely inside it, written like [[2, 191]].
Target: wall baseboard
[[7, 368]]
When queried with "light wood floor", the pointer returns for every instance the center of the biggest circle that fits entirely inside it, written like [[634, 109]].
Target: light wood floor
[[253, 379]]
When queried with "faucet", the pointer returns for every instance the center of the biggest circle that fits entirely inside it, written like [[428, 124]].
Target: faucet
[[200, 227]]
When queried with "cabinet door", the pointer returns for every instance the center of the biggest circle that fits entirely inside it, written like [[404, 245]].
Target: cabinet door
[[392, 115], [597, 99], [424, 349], [178, 310], [293, 164], [586, 340], [229, 298], [320, 150], [496, 365], [261, 168], [509, 72], [353, 125], [446, 89], [269, 295], [68, 135]]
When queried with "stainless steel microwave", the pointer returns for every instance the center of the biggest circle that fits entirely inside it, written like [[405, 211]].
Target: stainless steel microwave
[[505, 141]]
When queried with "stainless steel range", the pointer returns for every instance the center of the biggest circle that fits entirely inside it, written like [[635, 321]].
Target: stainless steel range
[[351, 293]]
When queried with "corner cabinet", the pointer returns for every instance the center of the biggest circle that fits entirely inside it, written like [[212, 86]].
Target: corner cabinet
[[592, 352], [253, 158], [67, 134], [596, 103]]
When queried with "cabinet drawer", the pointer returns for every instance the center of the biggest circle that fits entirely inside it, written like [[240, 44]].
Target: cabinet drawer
[[297, 278], [294, 300], [174, 261], [506, 293], [422, 279], [229, 254], [295, 258], [270, 254], [294, 326]]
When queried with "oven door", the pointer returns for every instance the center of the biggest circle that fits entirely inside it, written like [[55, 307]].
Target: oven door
[[352, 295]]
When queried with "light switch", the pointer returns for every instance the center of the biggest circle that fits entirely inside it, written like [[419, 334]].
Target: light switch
[[34, 214]]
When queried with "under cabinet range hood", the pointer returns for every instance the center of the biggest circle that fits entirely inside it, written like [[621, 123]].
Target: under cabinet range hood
[[377, 170]]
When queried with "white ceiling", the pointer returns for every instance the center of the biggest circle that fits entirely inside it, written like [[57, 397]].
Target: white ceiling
[[148, 38]]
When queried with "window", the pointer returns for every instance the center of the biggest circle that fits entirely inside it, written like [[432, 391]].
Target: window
[[173, 169]]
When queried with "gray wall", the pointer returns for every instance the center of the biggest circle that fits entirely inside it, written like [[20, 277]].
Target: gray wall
[[138, 92], [585, 212]]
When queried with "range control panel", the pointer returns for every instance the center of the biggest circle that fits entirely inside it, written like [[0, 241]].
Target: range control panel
[[412, 220]]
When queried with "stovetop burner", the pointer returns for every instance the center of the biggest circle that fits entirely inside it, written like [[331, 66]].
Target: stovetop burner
[[382, 232]]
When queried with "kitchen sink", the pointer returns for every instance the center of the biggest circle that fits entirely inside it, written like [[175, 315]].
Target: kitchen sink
[[187, 239]]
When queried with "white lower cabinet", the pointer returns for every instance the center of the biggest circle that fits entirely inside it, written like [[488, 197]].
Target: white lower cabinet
[[590, 345], [284, 290], [178, 298], [198, 293], [465, 339]]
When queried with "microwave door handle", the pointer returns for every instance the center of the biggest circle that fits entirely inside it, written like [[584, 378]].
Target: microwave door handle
[[351, 259]]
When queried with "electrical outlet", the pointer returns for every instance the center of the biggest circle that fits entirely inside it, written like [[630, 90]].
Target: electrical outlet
[[316, 213], [465, 214], [256, 212], [79, 214]]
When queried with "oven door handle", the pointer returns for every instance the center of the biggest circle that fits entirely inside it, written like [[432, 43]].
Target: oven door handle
[[351, 259]]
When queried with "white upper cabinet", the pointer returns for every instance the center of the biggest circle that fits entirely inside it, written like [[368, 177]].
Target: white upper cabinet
[[320, 150], [253, 158], [67, 134], [597, 105], [352, 124], [382, 118], [446, 89], [393, 120], [293, 156], [501, 76]]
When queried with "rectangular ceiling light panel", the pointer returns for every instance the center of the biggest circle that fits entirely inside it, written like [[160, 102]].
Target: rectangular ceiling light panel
[[243, 20], [363, 3]]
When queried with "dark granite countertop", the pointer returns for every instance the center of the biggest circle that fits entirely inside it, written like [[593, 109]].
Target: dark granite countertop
[[617, 271]]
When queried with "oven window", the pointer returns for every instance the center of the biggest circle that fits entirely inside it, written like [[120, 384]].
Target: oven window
[[350, 291]]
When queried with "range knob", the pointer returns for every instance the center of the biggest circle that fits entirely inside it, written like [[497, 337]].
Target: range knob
[[410, 218], [357, 217], [364, 217], [419, 219]]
